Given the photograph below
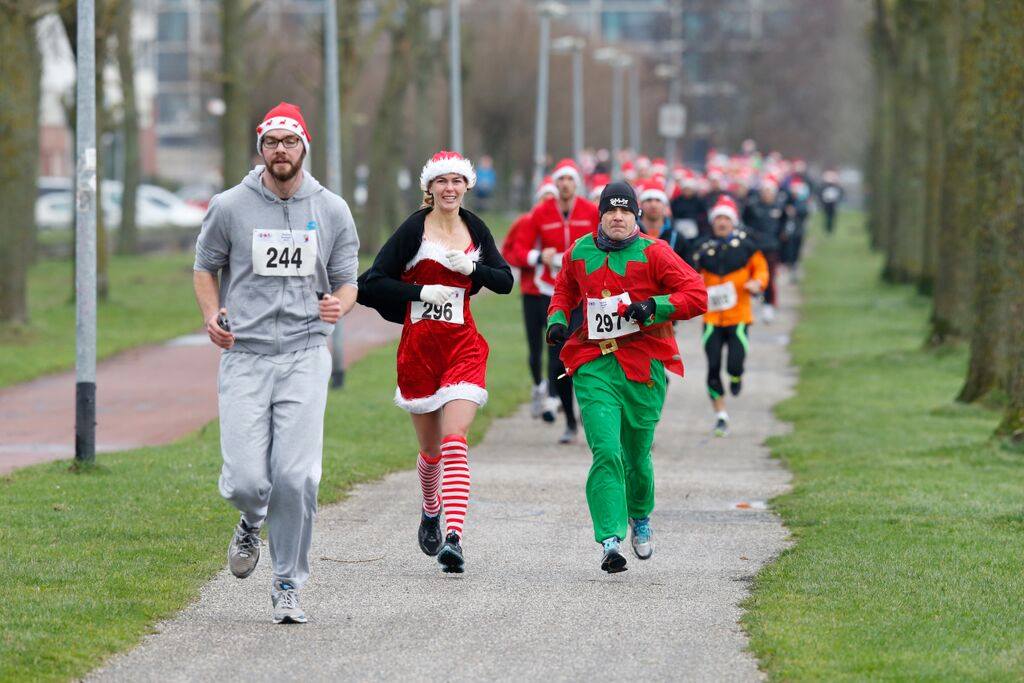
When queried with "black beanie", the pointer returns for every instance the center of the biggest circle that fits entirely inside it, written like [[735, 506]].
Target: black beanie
[[618, 194]]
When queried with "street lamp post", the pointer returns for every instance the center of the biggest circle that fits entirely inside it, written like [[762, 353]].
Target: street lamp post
[[332, 95], [85, 236], [546, 10], [619, 63], [575, 45], [455, 74]]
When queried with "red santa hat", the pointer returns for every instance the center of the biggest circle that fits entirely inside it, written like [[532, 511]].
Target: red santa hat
[[628, 170], [659, 166], [547, 186], [725, 206], [287, 117], [567, 168], [770, 181], [597, 183], [689, 179], [653, 188], [443, 163]]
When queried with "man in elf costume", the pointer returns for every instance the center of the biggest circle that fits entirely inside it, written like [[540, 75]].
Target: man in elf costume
[[632, 287]]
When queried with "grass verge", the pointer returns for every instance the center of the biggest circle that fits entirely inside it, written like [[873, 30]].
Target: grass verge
[[90, 561], [908, 517], [150, 301]]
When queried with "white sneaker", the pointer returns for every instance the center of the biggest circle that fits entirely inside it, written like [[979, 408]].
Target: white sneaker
[[537, 396], [551, 407], [285, 598], [767, 314]]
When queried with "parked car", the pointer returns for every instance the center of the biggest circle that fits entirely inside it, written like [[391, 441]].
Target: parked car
[[198, 194], [155, 208]]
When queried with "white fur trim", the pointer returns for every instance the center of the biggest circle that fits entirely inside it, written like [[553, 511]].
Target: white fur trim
[[563, 171], [726, 211], [544, 189], [284, 123], [435, 251], [450, 392], [653, 193], [434, 169], [533, 257]]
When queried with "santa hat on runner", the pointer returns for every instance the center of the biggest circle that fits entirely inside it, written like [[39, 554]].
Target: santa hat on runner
[[689, 179], [287, 117], [725, 206], [598, 181], [443, 163], [567, 168], [628, 170], [770, 181], [547, 186], [659, 166], [653, 188]]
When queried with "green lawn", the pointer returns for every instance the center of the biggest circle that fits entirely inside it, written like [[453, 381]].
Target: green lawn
[[908, 518], [88, 562], [150, 301]]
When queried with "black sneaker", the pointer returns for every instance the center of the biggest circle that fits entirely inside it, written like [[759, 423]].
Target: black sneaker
[[612, 560], [735, 384], [721, 427], [430, 533], [450, 555]]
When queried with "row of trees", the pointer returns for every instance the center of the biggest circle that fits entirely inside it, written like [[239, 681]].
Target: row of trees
[[946, 174]]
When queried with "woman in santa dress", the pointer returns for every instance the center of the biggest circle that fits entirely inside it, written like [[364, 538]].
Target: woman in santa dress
[[423, 278]]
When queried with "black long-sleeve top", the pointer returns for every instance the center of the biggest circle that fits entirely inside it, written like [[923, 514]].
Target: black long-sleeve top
[[381, 286]]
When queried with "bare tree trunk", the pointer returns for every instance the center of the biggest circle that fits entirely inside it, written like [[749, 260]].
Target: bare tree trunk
[[19, 147], [953, 312], [384, 210], [999, 173], [1007, 126], [127, 236], [236, 136]]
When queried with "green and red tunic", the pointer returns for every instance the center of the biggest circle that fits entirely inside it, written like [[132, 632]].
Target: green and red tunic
[[646, 268]]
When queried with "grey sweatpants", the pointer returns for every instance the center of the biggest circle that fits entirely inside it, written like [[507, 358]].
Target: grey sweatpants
[[271, 439]]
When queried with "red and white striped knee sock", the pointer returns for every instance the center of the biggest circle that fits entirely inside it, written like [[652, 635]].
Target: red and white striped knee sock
[[455, 483], [429, 470]]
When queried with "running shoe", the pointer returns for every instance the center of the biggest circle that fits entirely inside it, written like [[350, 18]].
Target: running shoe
[[568, 436], [430, 533], [537, 396], [551, 405], [612, 560], [244, 550], [643, 546], [767, 314], [285, 598], [735, 384], [450, 556], [721, 427]]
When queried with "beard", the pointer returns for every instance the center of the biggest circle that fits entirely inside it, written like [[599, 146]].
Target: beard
[[292, 170]]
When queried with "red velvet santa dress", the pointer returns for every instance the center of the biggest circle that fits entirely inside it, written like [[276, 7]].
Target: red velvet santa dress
[[441, 356]]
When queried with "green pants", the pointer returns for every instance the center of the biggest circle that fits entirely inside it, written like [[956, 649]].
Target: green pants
[[619, 417]]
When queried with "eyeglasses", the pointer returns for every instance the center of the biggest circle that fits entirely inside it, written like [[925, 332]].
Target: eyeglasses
[[290, 142]]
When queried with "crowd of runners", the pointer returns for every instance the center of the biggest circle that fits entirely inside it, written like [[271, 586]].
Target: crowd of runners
[[607, 266]]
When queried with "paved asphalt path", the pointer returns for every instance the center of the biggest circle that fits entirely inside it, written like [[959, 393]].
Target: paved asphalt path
[[533, 601]]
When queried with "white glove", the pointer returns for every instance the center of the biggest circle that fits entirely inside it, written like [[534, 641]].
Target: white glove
[[436, 294], [460, 262]]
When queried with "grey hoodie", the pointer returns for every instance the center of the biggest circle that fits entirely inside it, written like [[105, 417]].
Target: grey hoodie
[[270, 315]]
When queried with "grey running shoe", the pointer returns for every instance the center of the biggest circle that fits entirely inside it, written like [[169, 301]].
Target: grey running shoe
[[244, 550], [551, 406], [568, 436], [721, 427], [612, 560], [643, 546], [540, 392], [285, 598]]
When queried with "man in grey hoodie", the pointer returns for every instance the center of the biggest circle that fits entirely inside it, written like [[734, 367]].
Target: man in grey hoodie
[[286, 252]]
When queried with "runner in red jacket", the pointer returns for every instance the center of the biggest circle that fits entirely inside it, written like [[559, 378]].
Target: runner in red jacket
[[553, 226]]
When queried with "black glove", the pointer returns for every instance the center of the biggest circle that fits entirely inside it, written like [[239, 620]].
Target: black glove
[[641, 311], [557, 334]]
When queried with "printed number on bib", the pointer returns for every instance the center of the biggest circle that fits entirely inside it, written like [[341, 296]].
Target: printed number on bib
[[450, 311], [603, 321], [281, 253], [722, 297]]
